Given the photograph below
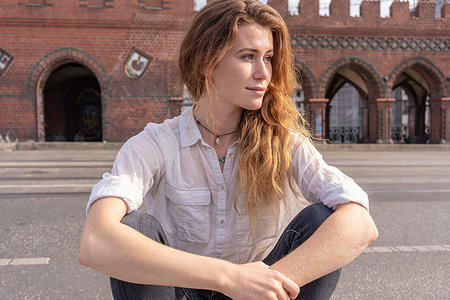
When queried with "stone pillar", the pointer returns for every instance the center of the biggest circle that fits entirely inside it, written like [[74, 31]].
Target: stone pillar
[[316, 116], [384, 124]]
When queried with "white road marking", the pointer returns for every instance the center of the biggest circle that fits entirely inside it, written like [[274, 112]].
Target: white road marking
[[4, 262], [47, 185], [25, 261], [407, 191], [415, 248]]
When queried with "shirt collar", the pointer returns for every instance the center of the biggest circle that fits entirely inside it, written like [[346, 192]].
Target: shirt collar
[[189, 133]]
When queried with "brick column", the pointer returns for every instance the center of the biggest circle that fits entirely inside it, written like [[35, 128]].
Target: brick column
[[439, 120], [315, 109], [40, 115], [445, 119], [365, 122], [384, 124]]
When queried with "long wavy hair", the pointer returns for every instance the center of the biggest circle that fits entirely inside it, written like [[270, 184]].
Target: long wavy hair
[[265, 143]]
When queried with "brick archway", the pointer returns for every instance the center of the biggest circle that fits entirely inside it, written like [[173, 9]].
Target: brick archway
[[435, 90], [44, 68], [371, 87], [429, 70], [364, 68], [308, 81]]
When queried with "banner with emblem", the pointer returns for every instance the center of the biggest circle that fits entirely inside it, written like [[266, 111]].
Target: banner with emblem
[[5, 60], [136, 63]]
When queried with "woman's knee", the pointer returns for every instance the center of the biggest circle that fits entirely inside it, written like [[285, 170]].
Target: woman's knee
[[146, 224], [310, 218], [316, 213]]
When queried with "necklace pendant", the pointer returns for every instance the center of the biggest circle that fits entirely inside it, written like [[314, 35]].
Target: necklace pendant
[[217, 140]]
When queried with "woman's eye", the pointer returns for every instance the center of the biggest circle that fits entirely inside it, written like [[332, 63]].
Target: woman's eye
[[248, 56], [268, 58]]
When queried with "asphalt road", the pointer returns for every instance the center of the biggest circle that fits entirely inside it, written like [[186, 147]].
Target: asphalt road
[[43, 196]]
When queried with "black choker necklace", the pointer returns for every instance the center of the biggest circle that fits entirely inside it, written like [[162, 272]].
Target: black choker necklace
[[216, 135]]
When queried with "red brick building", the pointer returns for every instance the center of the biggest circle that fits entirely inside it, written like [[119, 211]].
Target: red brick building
[[108, 67]]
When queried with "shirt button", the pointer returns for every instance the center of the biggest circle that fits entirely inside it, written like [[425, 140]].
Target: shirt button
[[223, 189], [231, 155], [222, 222]]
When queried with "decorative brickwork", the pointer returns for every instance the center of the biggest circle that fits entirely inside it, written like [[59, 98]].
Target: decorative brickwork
[[369, 43]]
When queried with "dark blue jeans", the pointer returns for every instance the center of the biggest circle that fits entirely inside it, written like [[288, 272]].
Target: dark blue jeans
[[298, 231]]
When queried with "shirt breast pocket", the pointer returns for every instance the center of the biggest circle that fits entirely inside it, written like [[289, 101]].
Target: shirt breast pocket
[[189, 213], [266, 228]]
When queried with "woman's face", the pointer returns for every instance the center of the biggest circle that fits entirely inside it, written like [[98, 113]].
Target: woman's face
[[242, 76]]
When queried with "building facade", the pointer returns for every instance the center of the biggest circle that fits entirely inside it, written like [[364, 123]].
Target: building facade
[[99, 70]]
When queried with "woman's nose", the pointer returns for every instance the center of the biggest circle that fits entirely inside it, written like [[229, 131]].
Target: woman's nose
[[262, 70]]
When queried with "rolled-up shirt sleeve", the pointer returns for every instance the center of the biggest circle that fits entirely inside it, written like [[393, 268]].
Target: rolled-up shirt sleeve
[[320, 182], [133, 173]]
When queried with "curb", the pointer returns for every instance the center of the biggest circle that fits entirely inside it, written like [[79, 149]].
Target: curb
[[30, 145], [61, 188], [383, 147], [115, 146]]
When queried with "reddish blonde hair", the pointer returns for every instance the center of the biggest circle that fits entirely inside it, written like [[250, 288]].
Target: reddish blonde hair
[[265, 144]]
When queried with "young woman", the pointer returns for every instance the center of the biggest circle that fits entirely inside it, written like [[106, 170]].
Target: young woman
[[223, 182]]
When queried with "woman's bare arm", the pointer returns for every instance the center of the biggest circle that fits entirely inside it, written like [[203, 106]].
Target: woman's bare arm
[[340, 239], [121, 252]]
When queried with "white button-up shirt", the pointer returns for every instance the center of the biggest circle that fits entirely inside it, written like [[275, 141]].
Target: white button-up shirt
[[171, 168]]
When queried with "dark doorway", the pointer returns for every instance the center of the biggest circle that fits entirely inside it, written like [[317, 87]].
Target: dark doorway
[[72, 104]]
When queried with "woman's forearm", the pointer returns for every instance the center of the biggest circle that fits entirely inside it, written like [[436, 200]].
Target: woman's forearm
[[340, 239], [121, 252]]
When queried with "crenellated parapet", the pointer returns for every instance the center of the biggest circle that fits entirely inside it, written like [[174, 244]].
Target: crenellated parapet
[[339, 8], [425, 9], [424, 16], [370, 9], [400, 10]]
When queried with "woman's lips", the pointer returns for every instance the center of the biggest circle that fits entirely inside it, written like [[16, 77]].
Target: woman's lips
[[260, 91]]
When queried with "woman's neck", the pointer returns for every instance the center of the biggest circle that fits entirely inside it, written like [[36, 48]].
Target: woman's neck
[[218, 124], [216, 117]]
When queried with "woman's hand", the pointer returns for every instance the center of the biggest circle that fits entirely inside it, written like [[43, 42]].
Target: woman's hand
[[257, 281]]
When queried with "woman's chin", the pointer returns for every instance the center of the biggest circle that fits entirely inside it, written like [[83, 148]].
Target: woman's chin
[[253, 105]]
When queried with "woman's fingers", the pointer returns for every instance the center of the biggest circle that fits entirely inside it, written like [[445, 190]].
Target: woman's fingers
[[291, 288], [258, 281]]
